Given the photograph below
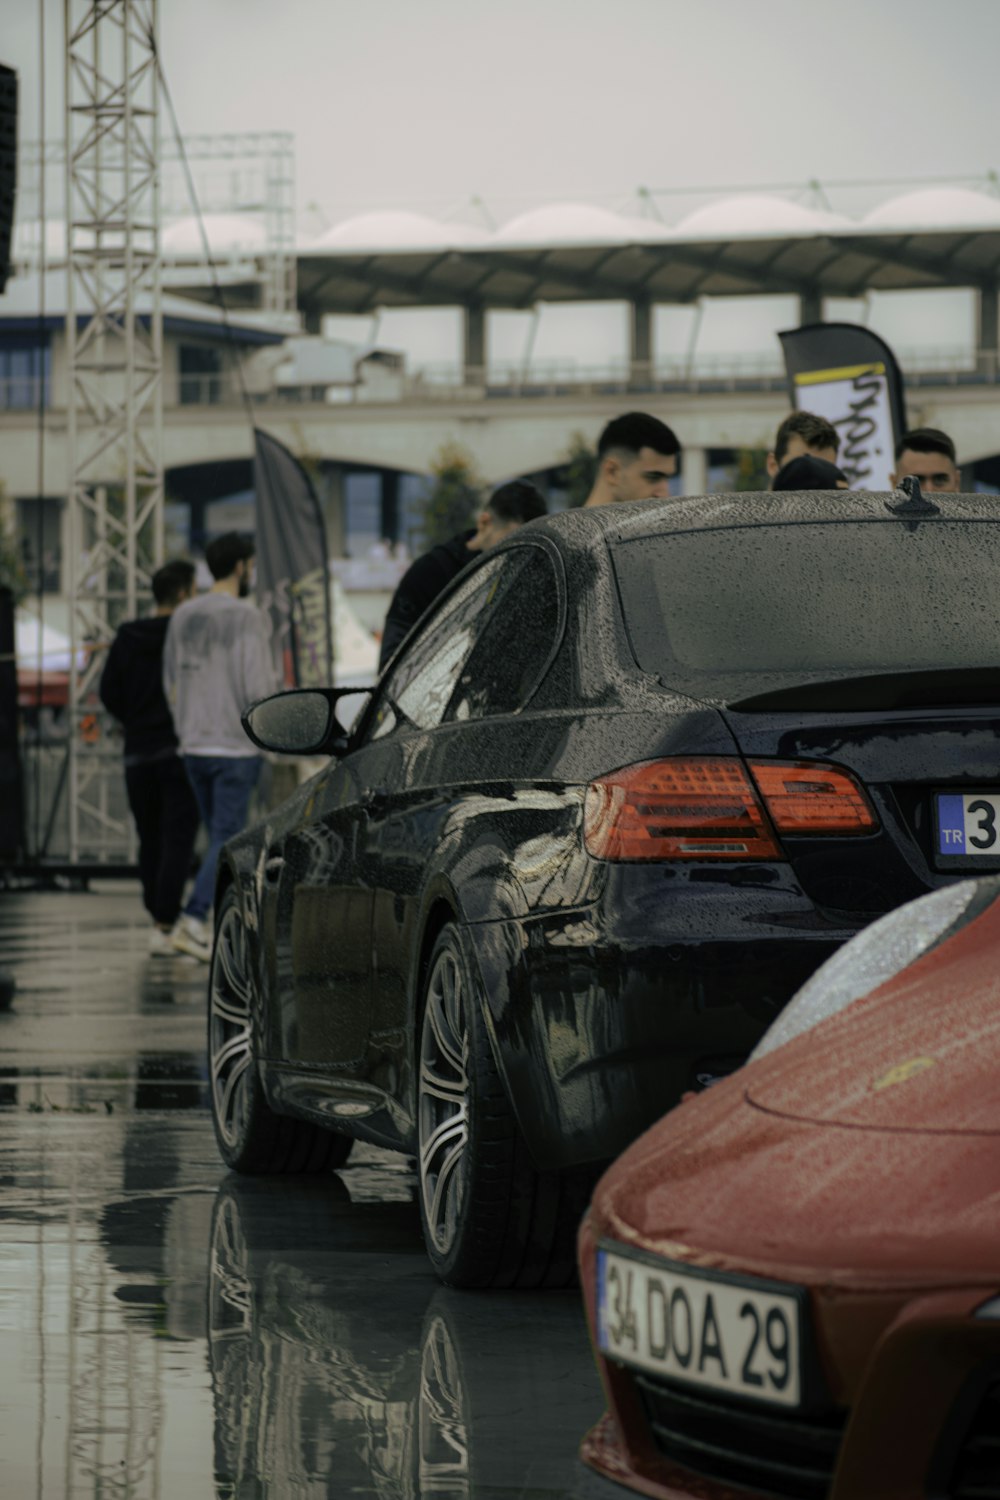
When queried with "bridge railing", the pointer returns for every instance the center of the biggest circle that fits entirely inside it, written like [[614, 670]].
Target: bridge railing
[[451, 382]]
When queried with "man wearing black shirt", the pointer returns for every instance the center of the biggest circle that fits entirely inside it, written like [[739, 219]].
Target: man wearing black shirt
[[508, 507], [159, 794]]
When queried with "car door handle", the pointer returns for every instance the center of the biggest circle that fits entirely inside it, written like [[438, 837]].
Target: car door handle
[[273, 868], [375, 802]]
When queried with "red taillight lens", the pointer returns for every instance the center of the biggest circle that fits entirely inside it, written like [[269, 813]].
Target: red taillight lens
[[683, 808], [810, 797]]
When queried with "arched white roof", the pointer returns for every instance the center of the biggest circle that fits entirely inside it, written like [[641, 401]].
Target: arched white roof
[[575, 224], [937, 208], [756, 213], [226, 233], [396, 230]]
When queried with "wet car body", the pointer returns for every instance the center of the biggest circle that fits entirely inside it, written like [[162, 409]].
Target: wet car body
[[608, 986], [853, 1170]]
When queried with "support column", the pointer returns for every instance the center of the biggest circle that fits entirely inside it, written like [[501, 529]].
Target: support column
[[694, 471], [474, 344], [987, 329], [332, 501], [640, 346], [810, 307], [197, 533], [390, 505]]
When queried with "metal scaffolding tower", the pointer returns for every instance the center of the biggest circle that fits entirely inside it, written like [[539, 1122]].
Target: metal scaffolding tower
[[114, 348]]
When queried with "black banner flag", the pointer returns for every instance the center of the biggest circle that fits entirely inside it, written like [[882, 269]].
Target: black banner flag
[[849, 375], [293, 584]]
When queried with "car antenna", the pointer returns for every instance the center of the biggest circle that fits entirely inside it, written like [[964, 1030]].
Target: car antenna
[[914, 506]]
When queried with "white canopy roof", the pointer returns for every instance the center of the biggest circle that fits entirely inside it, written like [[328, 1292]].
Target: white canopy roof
[[400, 230], [744, 244], [757, 213], [937, 208], [227, 234], [575, 224]]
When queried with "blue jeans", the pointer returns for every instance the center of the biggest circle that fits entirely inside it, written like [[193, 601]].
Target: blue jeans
[[222, 785]]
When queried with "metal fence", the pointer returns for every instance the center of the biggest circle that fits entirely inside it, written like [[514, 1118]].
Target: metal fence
[[444, 382]]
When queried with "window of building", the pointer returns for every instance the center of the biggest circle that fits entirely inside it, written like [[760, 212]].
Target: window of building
[[25, 364], [200, 375]]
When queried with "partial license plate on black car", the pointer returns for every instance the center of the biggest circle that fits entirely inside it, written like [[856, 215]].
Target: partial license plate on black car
[[740, 1337], [967, 829]]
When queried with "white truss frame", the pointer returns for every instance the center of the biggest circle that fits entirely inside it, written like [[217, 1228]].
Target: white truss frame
[[250, 173], [114, 345]]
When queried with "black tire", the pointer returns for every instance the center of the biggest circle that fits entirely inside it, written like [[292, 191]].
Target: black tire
[[251, 1137], [490, 1218]]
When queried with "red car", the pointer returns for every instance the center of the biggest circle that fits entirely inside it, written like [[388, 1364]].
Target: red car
[[793, 1281]]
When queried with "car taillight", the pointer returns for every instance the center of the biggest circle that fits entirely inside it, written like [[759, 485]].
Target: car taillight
[[683, 808], [810, 797], [710, 808]]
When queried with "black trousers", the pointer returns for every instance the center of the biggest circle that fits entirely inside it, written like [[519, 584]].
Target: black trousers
[[166, 817]]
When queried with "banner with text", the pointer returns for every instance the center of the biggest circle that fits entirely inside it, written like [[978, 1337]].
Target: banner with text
[[849, 375], [293, 586]]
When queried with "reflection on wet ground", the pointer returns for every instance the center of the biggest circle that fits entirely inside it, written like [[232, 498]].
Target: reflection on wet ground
[[171, 1330]]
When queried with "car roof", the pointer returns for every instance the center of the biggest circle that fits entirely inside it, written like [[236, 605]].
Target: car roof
[[631, 520]]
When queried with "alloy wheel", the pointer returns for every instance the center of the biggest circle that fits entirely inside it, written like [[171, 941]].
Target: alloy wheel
[[443, 1110], [231, 1028]]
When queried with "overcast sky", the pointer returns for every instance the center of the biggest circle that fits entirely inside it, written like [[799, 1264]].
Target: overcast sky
[[427, 103]]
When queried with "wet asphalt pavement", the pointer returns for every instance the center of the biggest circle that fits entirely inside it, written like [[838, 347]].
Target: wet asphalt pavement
[[170, 1331]]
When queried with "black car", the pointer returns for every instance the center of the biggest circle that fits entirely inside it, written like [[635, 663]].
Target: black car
[[635, 776]]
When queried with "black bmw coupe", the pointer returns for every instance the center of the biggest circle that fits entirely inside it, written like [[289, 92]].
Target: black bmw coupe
[[634, 777]]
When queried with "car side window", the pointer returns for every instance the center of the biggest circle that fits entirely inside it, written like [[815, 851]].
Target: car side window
[[517, 636], [420, 687]]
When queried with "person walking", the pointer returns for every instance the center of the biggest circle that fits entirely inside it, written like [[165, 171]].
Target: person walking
[[216, 662], [159, 793]]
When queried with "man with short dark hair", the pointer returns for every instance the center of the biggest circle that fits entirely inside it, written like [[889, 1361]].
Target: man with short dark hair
[[800, 433], [928, 455], [159, 794], [217, 661], [637, 456], [510, 506]]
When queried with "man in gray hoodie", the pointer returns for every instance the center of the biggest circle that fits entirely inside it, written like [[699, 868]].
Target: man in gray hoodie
[[217, 660]]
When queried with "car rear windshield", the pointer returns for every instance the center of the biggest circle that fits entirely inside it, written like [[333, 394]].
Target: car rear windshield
[[719, 611]]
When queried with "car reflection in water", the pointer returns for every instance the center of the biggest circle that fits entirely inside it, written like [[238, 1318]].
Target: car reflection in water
[[337, 1370]]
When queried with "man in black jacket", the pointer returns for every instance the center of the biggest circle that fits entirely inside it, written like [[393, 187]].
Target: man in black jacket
[[159, 794], [508, 507]]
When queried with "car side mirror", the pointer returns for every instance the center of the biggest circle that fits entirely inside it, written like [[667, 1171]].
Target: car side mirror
[[302, 721]]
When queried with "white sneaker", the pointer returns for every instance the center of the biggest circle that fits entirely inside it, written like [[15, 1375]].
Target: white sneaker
[[161, 944], [191, 935]]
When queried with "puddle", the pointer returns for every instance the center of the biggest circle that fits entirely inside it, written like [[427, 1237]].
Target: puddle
[[154, 1081]]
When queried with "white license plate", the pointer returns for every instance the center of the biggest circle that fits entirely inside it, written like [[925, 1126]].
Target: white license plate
[[968, 825], [741, 1338]]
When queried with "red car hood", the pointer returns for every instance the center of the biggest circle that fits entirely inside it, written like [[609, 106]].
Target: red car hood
[[861, 1154], [922, 1053]]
